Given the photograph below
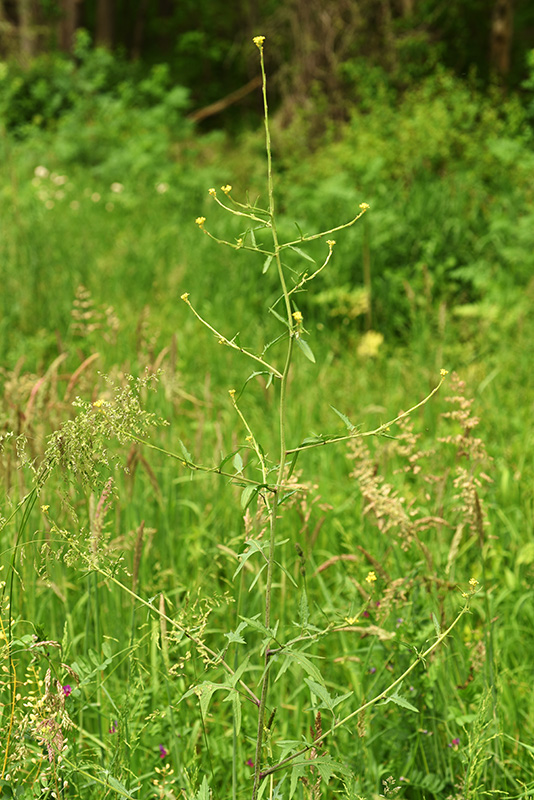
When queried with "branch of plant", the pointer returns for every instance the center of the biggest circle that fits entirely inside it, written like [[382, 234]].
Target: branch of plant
[[321, 235], [375, 432], [239, 245], [199, 644], [251, 438], [381, 696], [223, 340], [241, 213]]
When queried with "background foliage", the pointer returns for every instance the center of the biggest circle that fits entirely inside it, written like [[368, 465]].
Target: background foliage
[[103, 174]]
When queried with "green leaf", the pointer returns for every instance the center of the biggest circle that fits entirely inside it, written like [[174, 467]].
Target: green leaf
[[400, 701], [302, 253], [306, 665], [436, 625], [247, 495], [187, 455], [267, 264], [306, 349], [238, 462], [233, 697], [204, 791], [278, 317], [345, 419], [320, 691], [118, 786], [304, 611], [298, 771], [235, 636], [297, 226]]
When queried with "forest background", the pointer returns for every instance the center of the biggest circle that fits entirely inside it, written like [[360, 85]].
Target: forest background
[[124, 588]]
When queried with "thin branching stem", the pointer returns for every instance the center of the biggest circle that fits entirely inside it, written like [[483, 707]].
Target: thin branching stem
[[381, 696]]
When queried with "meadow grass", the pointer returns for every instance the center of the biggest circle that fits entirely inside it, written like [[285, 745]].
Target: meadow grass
[[172, 538]]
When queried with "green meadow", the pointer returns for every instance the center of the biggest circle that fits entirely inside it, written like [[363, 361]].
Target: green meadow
[[162, 491]]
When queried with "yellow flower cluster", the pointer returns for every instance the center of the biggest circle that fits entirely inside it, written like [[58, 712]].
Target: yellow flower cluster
[[258, 41], [226, 189], [443, 372], [330, 243], [297, 316], [212, 192], [200, 221], [371, 577], [185, 297], [364, 206]]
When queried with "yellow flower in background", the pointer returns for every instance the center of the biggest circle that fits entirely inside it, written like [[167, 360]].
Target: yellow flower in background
[[330, 243], [44, 509], [443, 372], [185, 297], [297, 316], [370, 344], [226, 189], [473, 582], [364, 206], [258, 41], [200, 221], [212, 192], [371, 577]]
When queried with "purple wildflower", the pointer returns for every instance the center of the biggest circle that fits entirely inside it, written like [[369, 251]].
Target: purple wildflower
[[454, 744], [162, 751], [366, 614], [372, 670], [67, 690], [114, 727], [249, 762]]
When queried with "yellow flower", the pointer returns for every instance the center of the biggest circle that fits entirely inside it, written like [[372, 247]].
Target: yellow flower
[[364, 206], [212, 192], [185, 297], [297, 316], [231, 392], [371, 577], [200, 221], [226, 189], [98, 404], [473, 582], [44, 509], [258, 41], [330, 243], [443, 372]]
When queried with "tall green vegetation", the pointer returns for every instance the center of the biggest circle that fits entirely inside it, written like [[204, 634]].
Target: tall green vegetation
[[134, 640]]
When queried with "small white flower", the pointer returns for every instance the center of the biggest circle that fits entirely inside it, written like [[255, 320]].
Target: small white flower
[[41, 172], [117, 188]]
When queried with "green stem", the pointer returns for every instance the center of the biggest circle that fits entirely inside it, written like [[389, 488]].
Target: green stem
[[382, 696], [282, 440]]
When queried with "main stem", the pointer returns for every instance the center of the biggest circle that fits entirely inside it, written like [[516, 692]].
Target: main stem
[[282, 439]]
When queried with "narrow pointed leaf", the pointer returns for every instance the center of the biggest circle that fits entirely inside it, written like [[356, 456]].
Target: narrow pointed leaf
[[306, 349]]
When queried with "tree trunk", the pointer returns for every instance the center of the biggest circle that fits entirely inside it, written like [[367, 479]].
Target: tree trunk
[[502, 29], [104, 23], [68, 24], [139, 29], [26, 30]]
